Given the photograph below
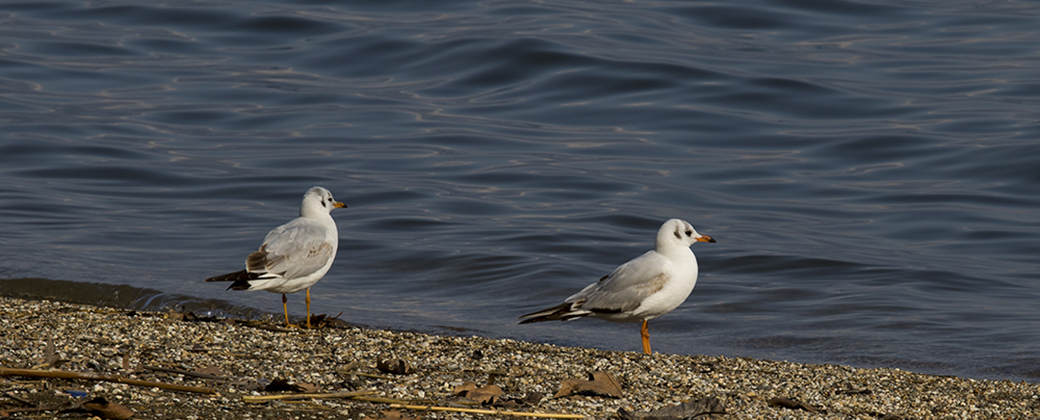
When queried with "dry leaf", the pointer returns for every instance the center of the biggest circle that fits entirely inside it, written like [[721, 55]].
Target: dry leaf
[[531, 399], [792, 404], [282, 385], [487, 394], [108, 410], [461, 390], [395, 415], [209, 370], [702, 409], [181, 316], [397, 366], [320, 321], [50, 356], [600, 384]]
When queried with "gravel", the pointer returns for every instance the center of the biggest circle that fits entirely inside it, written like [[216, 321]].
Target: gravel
[[242, 360]]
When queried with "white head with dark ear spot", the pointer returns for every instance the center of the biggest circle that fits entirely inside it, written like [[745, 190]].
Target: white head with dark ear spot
[[641, 289], [678, 233], [318, 201]]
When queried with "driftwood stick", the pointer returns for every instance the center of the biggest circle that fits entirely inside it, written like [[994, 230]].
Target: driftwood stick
[[381, 400], [21, 400], [37, 409], [360, 396], [263, 326], [186, 373], [96, 377], [265, 398], [367, 375], [492, 412], [349, 370]]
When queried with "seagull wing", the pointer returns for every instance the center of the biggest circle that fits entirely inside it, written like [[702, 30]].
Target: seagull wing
[[293, 250], [626, 288]]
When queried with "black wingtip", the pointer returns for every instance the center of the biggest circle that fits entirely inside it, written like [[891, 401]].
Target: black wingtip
[[240, 279], [239, 285], [558, 312], [531, 317]]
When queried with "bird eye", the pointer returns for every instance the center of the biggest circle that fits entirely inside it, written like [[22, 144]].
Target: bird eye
[[689, 232]]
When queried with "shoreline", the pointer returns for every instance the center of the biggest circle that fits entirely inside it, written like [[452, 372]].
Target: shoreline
[[241, 361]]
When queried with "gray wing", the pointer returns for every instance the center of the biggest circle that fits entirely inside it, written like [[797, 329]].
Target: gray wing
[[627, 287], [295, 249]]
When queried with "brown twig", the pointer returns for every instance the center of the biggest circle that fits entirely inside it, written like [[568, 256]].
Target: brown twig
[[360, 396], [367, 375], [492, 412], [38, 409], [96, 377], [265, 398], [19, 399], [262, 326], [381, 400], [349, 370], [186, 373]]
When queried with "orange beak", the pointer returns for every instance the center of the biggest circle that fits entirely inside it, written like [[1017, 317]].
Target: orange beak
[[339, 205], [705, 238]]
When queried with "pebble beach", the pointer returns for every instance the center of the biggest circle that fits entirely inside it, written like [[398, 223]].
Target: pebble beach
[[227, 368]]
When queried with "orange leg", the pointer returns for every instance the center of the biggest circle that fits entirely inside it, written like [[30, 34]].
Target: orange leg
[[645, 333], [285, 307], [308, 308]]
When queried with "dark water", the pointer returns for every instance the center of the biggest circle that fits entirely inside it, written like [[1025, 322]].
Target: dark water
[[870, 169]]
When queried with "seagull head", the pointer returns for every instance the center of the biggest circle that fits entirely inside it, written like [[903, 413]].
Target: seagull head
[[318, 200], [679, 233]]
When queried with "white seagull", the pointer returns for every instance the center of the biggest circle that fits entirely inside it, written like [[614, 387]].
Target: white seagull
[[642, 289], [295, 255]]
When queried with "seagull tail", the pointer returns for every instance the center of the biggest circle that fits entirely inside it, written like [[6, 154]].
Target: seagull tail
[[563, 312], [240, 278]]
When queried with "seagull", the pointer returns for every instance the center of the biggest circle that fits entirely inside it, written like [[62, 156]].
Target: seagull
[[295, 255], [642, 289]]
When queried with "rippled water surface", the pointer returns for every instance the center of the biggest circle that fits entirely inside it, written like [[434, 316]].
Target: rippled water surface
[[869, 168]]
